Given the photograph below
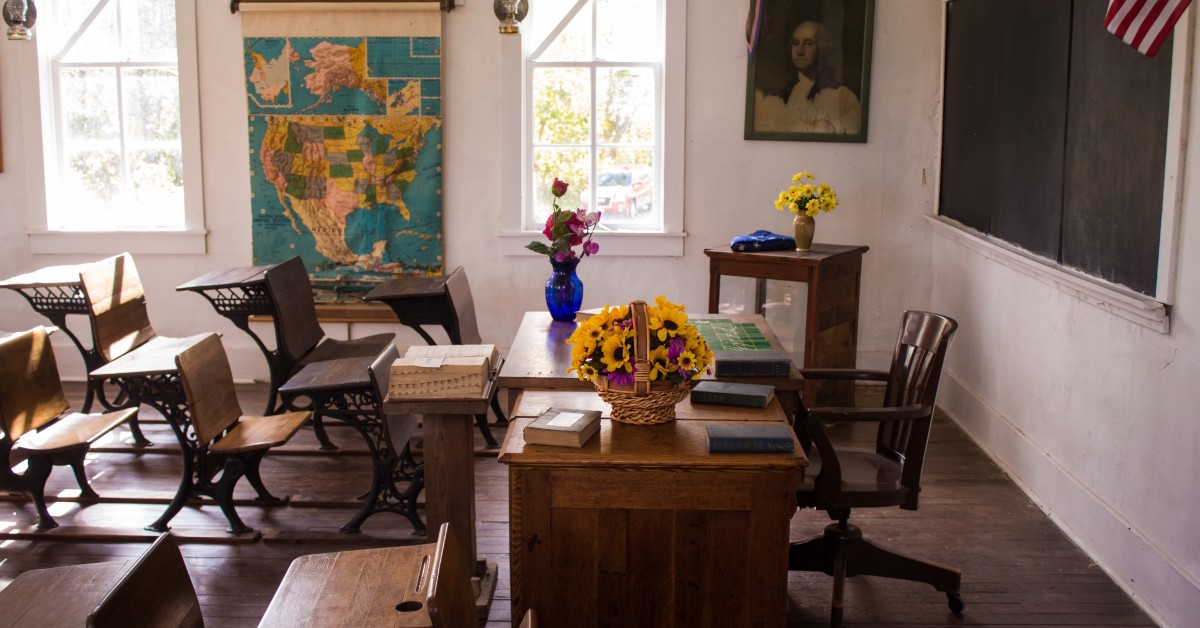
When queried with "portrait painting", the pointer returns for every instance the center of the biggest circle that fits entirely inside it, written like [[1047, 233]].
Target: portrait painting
[[809, 71]]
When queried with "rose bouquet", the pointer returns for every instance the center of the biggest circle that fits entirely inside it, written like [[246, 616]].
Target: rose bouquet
[[567, 229]]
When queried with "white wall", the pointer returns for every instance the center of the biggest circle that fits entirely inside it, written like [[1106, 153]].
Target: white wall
[[1094, 416]]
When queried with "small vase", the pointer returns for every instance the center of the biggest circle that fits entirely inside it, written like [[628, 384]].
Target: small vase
[[564, 290], [804, 225]]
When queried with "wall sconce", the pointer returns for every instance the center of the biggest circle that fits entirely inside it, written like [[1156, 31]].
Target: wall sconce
[[510, 13], [19, 15]]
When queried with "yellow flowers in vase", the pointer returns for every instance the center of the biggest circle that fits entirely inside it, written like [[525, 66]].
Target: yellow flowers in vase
[[806, 199]]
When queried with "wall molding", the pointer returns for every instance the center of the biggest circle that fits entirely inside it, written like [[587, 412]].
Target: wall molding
[[1146, 572]]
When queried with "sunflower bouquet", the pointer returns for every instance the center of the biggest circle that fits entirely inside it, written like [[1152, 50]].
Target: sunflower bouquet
[[641, 351]]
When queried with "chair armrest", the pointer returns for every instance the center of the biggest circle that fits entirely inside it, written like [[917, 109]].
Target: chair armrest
[[899, 413], [852, 374]]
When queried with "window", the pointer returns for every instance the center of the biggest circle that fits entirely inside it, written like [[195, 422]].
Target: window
[[119, 117], [602, 108]]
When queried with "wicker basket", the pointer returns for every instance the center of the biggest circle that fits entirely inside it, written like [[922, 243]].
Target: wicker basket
[[643, 402]]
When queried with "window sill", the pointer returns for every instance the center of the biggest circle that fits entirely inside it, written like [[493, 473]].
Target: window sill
[[619, 244], [113, 242], [1116, 300]]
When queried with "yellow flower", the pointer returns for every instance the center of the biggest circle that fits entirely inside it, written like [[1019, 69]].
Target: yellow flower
[[686, 361], [812, 207], [660, 363], [588, 373], [616, 354], [807, 196], [665, 322]]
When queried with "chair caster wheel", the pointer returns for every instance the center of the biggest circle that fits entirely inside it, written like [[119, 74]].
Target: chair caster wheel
[[956, 604]]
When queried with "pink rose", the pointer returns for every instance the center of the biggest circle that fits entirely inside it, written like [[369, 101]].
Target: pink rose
[[549, 230], [558, 188]]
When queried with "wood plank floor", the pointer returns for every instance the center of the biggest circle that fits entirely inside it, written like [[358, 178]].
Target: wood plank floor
[[1018, 569]]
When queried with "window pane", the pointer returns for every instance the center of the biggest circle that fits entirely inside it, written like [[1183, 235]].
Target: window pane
[[89, 104], [626, 30], [94, 174], [625, 105], [574, 43], [561, 105], [151, 104], [100, 42], [157, 179], [148, 29], [625, 184], [570, 165]]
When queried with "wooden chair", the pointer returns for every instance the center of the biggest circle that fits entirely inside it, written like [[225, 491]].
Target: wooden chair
[[33, 411], [223, 433], [299, 339], [156, 592], [841, 478], [153, 591], [444, 301], [119, 319]]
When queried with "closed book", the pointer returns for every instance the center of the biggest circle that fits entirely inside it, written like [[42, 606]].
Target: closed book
[[753, 363], [442, 372], [733, 394], [563, 427], [750, 439]]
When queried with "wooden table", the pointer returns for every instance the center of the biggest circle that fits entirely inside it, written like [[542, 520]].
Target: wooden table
[[373, 587], [59, 596], [55, 292], [149, 375], [833, 274], [540, 356], [642, 526]]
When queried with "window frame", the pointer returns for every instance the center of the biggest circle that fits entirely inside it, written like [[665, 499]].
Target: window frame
[[516, 195], [39, 103]]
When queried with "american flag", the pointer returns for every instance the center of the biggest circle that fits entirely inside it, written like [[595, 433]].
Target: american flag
[[1143, 24]]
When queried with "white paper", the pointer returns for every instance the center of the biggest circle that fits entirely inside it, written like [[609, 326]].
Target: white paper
[[565, 419], [428, 363]]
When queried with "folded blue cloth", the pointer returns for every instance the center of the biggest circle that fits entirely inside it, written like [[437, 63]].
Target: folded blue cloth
[[762, 240]]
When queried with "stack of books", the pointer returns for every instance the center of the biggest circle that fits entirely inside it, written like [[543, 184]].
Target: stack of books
[[442, 372]]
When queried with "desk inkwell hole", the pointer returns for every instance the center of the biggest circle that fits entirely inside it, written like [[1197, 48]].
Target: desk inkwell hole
[[409, 607]]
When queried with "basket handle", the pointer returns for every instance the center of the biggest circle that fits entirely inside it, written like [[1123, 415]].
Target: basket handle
[[641, 349]]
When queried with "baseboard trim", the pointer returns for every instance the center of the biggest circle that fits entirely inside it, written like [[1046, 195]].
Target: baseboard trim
[[1143, 570]]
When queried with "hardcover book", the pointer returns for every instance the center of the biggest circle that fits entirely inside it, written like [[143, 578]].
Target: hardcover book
[[750, 439], [563, 427], [733, 394], [753, 363]]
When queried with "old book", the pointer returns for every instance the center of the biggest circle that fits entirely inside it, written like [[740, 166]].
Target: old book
[[750, 439], [442, 372], [753, 363], [563, 427], [733, 394]]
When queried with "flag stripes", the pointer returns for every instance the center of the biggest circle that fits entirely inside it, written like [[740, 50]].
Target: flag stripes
[[1143, 24]]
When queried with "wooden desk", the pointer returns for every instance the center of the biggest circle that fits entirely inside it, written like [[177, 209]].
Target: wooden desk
[[417, 301], [59, 596], [833, 273], [642, 526], [355, 588], [540, 356], [55, 292]]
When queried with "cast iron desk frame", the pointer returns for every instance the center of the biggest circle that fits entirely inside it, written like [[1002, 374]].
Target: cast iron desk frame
[[351, 401], [833, 274]]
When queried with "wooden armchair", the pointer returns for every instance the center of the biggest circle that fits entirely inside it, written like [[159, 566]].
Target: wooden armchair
[[33, 411], [223, 433], [299, 339], [841, 478]]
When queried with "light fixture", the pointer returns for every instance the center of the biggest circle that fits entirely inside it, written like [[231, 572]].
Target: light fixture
[[19, 15], [510, 13]]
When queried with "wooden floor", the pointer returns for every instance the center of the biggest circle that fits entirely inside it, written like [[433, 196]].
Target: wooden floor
[[1018, 569]]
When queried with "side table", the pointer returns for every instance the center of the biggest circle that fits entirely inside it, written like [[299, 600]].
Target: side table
[[833, 273]]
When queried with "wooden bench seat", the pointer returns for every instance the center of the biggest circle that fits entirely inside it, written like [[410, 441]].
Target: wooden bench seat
[[228, 440], [33, 412], [152, 591]]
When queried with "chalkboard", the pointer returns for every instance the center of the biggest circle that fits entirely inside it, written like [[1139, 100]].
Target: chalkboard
[[1054, 135]]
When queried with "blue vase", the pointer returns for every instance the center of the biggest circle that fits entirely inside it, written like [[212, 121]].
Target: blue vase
[[564, 290]]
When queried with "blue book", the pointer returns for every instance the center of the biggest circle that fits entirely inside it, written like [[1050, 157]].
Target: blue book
[[750, 439]]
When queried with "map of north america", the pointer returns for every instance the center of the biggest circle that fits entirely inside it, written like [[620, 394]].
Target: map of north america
[[345, 136]]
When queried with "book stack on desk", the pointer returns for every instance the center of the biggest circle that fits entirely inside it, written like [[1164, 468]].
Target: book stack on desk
[[750, 439], [442, 372], [733, 394], [773, 363], [563, 427]]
